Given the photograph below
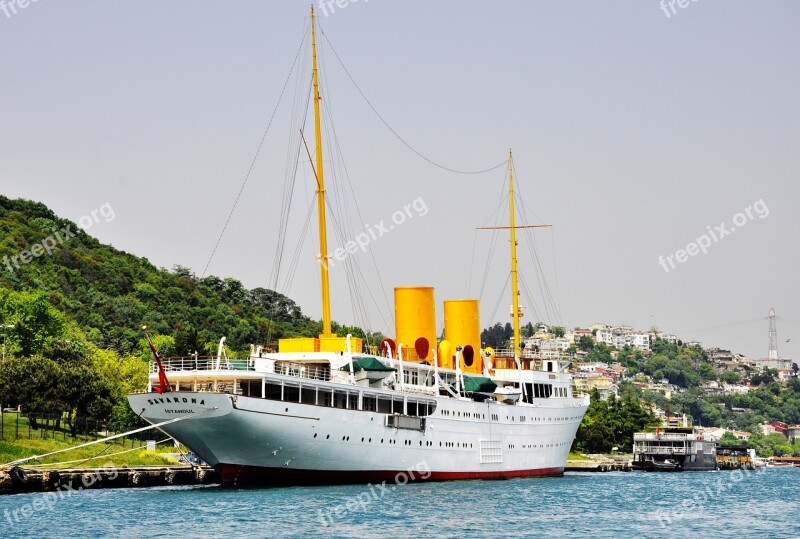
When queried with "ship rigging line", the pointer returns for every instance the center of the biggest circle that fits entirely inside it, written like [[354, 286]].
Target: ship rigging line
[[544, 288], [255, 157], [389, 127], [498, 215], [342, 200]]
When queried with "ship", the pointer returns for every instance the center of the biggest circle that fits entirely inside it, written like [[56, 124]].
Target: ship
[[330, 410]]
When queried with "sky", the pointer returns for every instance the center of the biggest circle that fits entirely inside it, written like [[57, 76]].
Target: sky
[[660, 141]]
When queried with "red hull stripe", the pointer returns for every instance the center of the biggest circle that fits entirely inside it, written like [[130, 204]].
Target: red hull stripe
[[234, 475]]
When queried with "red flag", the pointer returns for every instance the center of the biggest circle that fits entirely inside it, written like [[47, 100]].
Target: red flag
[[163, 383]]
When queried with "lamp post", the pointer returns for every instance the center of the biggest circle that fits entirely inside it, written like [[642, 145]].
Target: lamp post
[[5, 327]]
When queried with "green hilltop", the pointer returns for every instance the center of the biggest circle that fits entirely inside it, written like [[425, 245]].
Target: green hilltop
[[77, 307]]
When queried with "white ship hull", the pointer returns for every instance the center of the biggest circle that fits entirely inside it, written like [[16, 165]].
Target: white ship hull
[[253, 440]]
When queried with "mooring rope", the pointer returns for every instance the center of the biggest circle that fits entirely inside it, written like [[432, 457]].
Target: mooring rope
[[96, 456], [142, 429]]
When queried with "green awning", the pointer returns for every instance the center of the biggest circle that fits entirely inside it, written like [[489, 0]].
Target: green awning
[[367, 364], [479, 384]]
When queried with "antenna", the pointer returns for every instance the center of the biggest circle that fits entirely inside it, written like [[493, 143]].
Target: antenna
[[773, 335]]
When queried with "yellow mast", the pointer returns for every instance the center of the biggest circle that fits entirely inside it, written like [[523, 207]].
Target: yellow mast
[[514, 272], [323, 234], [514, 281]]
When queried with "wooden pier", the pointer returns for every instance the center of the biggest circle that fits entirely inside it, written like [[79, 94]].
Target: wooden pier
[[609, 464], [18, 480]]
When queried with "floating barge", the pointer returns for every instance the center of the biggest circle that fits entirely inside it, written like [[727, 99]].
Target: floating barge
[[673, 449]]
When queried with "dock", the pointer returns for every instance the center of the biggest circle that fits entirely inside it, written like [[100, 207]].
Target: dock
[[601, 464], [17, 480]]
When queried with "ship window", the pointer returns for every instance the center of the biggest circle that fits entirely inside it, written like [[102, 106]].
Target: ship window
[[411, 407], [385, 405], [340, 399], [352, 401], [528, 393], [291, 393], [325, 397], [250, 388], [272, 392], [397, 405], [308, 395], [369, 403]]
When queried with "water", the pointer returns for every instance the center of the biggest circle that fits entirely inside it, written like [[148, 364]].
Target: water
[[711, 504]]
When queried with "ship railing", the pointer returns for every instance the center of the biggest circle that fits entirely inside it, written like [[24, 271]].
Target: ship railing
[[530, 353], [659, 450], [310, 372], [652, 436], [201, 363]]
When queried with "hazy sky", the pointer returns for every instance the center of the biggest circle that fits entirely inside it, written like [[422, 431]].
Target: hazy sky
[[633, 132]]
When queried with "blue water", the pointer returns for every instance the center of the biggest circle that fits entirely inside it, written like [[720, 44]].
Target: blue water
[[711, 504]]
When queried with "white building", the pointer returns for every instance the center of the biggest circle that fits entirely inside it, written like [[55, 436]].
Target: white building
[[622, 336]]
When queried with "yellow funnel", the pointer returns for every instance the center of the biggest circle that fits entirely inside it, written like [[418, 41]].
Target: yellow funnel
[[462, 327], [415, 318]]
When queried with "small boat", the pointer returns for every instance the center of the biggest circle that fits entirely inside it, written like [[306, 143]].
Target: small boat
[[773, 464], [507, 394], [667, 464]]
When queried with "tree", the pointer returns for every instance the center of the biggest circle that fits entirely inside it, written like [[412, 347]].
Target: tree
[[774, 444], [764, 377], [585, 343], [612, 423], [527, 330], [600, 353], [731, 377], [32, 383], [707, 371], [730, 439], [35, 321], [494, 336]]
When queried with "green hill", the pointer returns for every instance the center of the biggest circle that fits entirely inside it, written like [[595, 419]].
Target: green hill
[[77, 307], [110, 294]]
